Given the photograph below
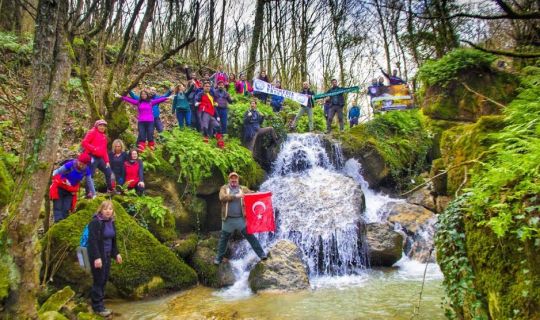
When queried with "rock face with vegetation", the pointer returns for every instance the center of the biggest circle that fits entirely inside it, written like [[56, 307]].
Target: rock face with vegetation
[[450, 84], [283, 270], [210, 274], [392, 148], [488, 238], [149, 267], [385, 245]]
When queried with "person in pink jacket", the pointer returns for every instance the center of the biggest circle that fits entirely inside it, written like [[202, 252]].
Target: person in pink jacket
[[243, 86], [95, 144], [145, 118]]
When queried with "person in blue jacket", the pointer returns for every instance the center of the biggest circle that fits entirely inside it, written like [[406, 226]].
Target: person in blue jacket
[[158, 125], [277, 101], [353, 116], [181, 107]]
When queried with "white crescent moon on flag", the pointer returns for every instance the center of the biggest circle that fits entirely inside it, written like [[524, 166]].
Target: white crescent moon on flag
[[257, 204]]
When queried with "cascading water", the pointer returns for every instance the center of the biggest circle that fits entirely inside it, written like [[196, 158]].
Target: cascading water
[[320, 201]]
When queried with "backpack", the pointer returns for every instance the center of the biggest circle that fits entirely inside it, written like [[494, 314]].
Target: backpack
[[83, 242]]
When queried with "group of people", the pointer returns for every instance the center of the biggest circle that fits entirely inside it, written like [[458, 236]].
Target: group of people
[[119, 167], [377, 87]]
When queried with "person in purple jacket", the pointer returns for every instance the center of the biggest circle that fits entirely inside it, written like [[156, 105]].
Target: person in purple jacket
[[145, 118]]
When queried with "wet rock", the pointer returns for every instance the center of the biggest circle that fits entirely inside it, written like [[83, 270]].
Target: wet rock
[[265, 147], [409, 216], [385, 245], [283, 270], [423, 197], [208, 273], [211, 184], [418, 224]]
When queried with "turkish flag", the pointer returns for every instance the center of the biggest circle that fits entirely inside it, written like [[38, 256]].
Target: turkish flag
[[259, 212]]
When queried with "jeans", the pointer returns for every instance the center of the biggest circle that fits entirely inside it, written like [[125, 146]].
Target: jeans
[[99, 163], [158, 125], [353, 122], [208, 124], [62, 205], [222, 113], [146, 131], [331, 112], [100, 276], [231, 224], [183, 116], [195, 120], [309, 112]]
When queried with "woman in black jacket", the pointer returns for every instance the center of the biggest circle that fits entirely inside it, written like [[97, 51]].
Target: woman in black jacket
[[101, 249]]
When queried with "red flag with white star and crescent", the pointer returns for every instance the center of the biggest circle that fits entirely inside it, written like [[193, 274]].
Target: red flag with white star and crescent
[[259, 212]]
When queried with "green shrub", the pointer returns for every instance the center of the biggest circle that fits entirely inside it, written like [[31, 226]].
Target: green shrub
[[196, 159], [441, 72]]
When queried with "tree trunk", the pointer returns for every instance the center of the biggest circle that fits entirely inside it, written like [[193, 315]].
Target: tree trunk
[[385, 36], [222, 30], [48, 94], [211, 22], [257, 30]]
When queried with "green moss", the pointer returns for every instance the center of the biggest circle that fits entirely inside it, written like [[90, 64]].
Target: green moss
[[144, 257], [52, 315], [6, 184], [117, 123], [202, 262], [393, 147], [507, 271], [186, 247], [464, 143], [57, 300]]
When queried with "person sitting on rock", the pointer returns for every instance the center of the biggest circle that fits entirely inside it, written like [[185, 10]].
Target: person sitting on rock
[[233, 215], [117, 157], [101, 249], [95, 144], [65, 185], [134, 169]]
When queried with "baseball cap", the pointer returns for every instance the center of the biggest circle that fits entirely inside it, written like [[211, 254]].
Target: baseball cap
[[233, 174]]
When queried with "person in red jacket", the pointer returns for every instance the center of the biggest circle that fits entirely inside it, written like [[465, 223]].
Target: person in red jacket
[[95, 144], [134, 171], [208, 115]]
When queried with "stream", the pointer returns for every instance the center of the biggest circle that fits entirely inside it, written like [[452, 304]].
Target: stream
[[317, 198]]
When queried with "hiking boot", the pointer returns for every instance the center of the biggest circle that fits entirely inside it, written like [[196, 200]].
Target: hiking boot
[[104, 313], [141, 146], [220, 144], [152, 145]]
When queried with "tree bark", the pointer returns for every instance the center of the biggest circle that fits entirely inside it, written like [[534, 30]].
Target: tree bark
[[222, 30], [48, 94], [257, 30]]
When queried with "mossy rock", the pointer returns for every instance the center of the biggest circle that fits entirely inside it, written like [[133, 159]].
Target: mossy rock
[[6, 184], [454, 102], [52, 315], [163, 233], [184, 248], [209, 274], [436, 129], [465, 143], [8, 274], [507, 272], [392, 148], [57, 300], [144, 257], [197, 212]]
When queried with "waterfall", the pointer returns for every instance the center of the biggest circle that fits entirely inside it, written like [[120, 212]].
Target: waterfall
[[320, 200]]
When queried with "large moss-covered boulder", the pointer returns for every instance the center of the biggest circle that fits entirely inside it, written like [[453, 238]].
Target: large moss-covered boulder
[[463, 147], [149, 267], [391, 148], [283, 270], [463, 86], [185, 248]]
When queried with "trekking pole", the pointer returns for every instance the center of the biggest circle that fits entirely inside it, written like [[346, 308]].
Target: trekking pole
[[416, 310]]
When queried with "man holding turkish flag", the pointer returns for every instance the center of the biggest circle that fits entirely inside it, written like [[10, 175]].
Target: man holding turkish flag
[[233, 214], [259, 212]]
